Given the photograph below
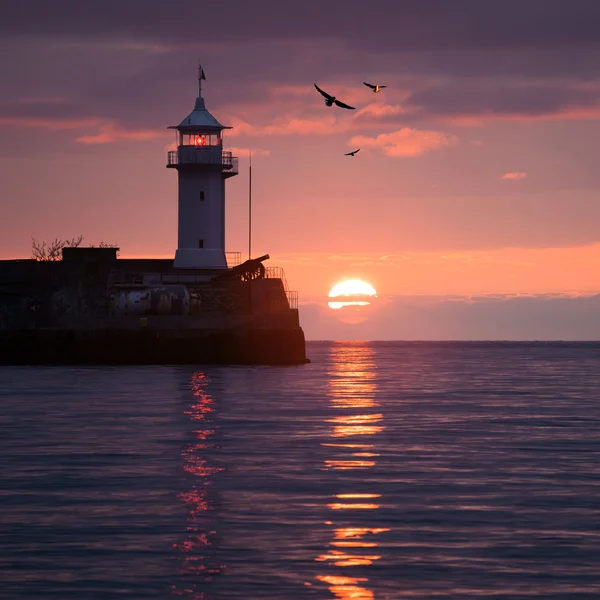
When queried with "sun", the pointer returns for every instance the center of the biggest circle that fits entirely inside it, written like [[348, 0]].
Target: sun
[[351, 292], [352, 287]]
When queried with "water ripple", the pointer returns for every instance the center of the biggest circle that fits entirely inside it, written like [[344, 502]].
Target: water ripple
[[379, 471]]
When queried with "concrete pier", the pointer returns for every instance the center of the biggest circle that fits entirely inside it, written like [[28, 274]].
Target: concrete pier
[[147, 346], [93, 308]]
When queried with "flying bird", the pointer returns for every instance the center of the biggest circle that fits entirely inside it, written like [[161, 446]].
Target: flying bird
[[331, 100], [352, 153], [375, 88]]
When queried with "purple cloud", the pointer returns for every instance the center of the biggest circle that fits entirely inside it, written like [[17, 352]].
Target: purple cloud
[[540, 317]]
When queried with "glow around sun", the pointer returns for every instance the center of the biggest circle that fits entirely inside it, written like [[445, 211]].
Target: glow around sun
[[352, 292]]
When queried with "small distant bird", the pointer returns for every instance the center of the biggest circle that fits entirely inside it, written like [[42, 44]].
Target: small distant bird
[[375, 88], [352, 153], [331, 100]]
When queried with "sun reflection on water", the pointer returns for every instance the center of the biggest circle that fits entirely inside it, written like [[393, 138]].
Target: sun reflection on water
[[346, 587], [197, 565], [352, 390]]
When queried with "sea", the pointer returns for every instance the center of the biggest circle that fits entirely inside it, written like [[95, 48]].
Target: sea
[[378, 471]]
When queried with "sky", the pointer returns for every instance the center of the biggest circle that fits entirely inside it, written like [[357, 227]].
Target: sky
[[472, 207]]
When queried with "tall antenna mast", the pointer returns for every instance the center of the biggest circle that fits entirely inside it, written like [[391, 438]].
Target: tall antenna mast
[[250, 205]]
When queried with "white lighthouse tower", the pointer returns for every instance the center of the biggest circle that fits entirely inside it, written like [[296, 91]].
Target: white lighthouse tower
[[202, 168]]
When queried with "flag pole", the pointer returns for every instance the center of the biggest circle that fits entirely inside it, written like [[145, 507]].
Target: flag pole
[[250, 205], [250, 226]]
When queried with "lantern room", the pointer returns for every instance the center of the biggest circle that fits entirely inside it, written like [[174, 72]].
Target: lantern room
[[199, 139]]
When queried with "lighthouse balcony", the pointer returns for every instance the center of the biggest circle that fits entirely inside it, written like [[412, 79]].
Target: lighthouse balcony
[[209, 156]]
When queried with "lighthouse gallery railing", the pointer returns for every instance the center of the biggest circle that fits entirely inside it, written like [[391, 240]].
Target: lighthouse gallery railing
[[203, 156]]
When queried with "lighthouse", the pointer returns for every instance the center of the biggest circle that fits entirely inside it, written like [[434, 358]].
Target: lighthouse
[[202, 168]]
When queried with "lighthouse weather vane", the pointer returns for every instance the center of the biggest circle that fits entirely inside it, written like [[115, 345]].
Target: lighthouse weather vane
[[200, 78]]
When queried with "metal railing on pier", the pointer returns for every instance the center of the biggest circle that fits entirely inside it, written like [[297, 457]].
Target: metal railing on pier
[[292, 297], [278, 273], [233, 259]]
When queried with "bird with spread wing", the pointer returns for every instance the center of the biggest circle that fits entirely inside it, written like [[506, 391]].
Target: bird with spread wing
[[331, 100], [352, 153], [375, 88]]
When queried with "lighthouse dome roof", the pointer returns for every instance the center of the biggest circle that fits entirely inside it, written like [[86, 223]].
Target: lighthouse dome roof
[[200, 118]]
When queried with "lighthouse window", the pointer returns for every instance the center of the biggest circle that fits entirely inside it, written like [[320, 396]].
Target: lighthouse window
[[201, 195], [200, 243], [200, 139]]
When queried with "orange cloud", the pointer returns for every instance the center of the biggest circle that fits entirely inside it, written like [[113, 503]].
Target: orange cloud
[[111, 132], [381, 110], [516, 176], [292, 126], [300, 116], [571, 270], [244, 151], [405, 142], [107, 131]]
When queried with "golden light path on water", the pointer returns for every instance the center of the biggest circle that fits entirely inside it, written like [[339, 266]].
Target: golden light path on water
[[197, 567], [352, 391]]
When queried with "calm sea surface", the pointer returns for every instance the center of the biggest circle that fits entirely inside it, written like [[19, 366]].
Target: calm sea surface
[[379, 471]]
